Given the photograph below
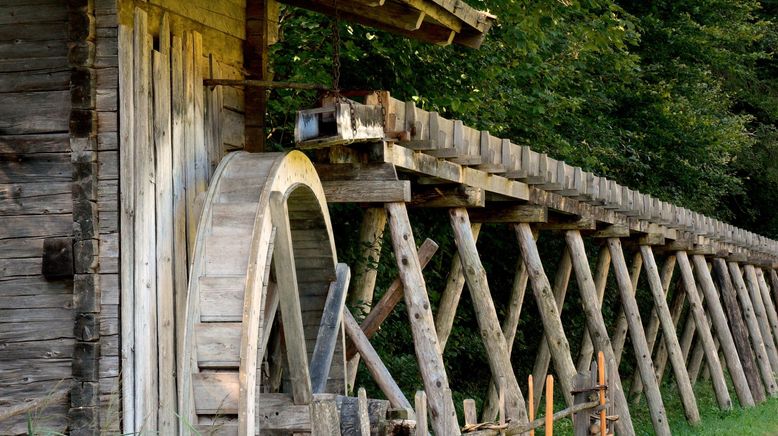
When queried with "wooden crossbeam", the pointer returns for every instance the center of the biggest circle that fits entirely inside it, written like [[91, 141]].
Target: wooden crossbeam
[[329, 326]]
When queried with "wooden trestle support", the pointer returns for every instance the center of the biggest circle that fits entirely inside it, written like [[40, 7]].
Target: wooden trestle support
[[264, 243]]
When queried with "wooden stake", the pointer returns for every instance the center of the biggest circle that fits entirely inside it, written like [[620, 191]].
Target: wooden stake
[[602, 383], [531, 402], [668, 334], [736, 347], [761, 314], [428, 354], [638, 339], [455, 282], [703, 328], [421, 413], [371, 236], [486, 315], [600, 281], [653, 325], [596, 324], [762, 358], [549, 313], [471, 416], [549, 405]]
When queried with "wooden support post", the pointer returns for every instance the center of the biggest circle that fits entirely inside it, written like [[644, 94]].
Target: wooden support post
[[689, 328], [549, 313], [772, 316], [509, 326], [703, 328], [638, 339], [259, 26], [582, 384], [543, 356], [374, 364], [600, 281], [621, 328], [774, 284], [653, 324], [676, 310], [289, 301], [668, 334], [471, 415], [549, 406], [762, 358], [761, 314], [455, 282], [531, 401], [596, 324], [695, 361], [371, 236], [486, 315], [737, 334], [428, 354], [601, 381]]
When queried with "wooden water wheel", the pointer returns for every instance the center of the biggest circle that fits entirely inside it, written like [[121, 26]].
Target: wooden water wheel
[[262, 212]]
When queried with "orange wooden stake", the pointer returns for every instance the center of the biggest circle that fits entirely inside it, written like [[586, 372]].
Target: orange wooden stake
[[550, 405], [531, 403], [601, 381]]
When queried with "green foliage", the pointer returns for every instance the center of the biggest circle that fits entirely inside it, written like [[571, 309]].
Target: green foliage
[[676, 98]]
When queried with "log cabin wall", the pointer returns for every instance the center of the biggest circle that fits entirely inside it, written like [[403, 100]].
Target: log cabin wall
[[172, 133], [36, 216]]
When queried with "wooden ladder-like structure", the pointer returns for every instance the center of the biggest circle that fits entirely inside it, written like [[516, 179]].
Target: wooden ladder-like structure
[[261, 210]]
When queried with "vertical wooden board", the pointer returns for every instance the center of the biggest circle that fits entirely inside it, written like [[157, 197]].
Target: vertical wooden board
[[146, 382], [178, 176], [127, 202], [164, 244], [428, 353], [190, 176]]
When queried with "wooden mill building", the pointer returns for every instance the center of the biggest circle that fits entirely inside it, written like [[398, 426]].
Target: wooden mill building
[[148, 246]]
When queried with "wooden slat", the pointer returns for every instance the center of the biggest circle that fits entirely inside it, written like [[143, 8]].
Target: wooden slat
[[221, 298], [218, 344]]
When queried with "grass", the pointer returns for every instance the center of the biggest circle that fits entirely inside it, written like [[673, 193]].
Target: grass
[[756, 421]]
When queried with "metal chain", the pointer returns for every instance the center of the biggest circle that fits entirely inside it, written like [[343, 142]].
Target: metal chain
[[383, 109], [336, 49]]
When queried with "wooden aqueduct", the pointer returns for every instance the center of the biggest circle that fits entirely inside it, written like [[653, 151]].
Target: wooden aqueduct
[[157, 276]]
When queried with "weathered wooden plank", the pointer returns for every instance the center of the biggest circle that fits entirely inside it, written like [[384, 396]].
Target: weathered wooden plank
[[428, 352], [638, 339], [367, 191], [31, 168], [36, 12], [36, 225], [549, 313], [486, 314], [35, 198], [44, 112]]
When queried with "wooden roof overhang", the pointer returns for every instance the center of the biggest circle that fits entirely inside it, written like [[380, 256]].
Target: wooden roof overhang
[[441, 22]]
